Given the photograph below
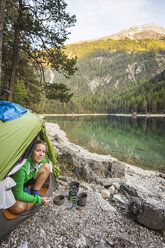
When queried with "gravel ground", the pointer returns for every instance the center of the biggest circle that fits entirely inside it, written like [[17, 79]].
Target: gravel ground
[[98, 224]]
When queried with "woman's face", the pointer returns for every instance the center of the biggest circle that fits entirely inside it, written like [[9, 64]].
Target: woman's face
[[38, 153]]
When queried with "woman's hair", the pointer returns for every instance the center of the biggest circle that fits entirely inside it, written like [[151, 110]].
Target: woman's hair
[[41, 142]]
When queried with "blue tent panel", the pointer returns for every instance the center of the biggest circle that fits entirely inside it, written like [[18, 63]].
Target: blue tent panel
[[10, 111]]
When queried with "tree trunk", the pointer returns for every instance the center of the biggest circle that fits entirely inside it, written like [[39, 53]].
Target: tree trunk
[[14, 63], [2, 15]]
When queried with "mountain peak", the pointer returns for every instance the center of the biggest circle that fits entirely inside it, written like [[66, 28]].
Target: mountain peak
[[146, 31], [148, 27]]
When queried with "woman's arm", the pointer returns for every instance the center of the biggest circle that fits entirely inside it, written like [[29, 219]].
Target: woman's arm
[[19, 178]]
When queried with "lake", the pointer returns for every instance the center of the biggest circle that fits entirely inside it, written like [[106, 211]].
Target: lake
[[139, 141]]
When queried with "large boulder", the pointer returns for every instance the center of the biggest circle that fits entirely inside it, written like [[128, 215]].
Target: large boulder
[[89, 166], [150, 214], [86, 165]]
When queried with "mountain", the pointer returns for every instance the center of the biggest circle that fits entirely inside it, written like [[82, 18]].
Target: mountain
[[115, 75], [137, 38], [146, 31]]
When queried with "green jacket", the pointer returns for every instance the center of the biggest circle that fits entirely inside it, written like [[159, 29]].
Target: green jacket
[[25, 173]]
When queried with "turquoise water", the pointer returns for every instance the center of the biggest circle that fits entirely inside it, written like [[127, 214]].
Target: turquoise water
[[139, 141]]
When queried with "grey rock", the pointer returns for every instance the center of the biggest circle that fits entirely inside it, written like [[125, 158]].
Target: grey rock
[[107, 182], [105, 193], [24, 245], [101, 244], [116, 185], [119, 198], [162, 175], [148, 214], [81, 241], [117, 169], [128, 190], [108, 207], [112, 190]]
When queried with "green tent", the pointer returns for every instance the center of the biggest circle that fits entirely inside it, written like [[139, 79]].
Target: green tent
[[19, 131]]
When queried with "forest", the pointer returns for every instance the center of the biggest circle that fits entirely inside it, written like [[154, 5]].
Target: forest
[[140, 89], [101, 76]]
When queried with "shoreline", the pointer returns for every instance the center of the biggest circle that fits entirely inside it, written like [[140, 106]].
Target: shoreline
[[141, 165], [100, 114], [59, 137]]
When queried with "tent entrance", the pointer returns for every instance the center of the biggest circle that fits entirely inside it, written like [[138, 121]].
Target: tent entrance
[[9, 215]]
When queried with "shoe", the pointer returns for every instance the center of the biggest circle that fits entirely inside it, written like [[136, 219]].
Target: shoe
[[26, 190], [36, 192]]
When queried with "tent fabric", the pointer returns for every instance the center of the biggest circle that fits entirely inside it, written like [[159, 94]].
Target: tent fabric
[[7, 225], [50, 148], [10, 111], [15, 136], [7, 199]]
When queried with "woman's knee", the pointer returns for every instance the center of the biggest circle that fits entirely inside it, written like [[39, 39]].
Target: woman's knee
[[18, 207], [45, 168]]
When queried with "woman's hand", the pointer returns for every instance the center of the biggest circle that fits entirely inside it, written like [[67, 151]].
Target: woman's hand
[[45, 200]]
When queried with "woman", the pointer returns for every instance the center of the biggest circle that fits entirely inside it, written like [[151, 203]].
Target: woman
[[34, 172]]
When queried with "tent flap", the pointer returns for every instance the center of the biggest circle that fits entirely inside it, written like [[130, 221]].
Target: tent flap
[[15, 137]]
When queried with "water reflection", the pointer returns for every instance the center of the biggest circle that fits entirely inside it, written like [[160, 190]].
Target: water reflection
[[139, 141]]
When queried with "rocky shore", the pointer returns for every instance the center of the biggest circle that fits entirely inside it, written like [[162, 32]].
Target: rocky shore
[[125, 204]]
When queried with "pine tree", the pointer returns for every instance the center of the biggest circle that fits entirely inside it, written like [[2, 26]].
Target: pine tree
[[2, 15], [39, 29]]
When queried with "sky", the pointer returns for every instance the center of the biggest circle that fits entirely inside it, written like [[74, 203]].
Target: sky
[[99, 18]]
